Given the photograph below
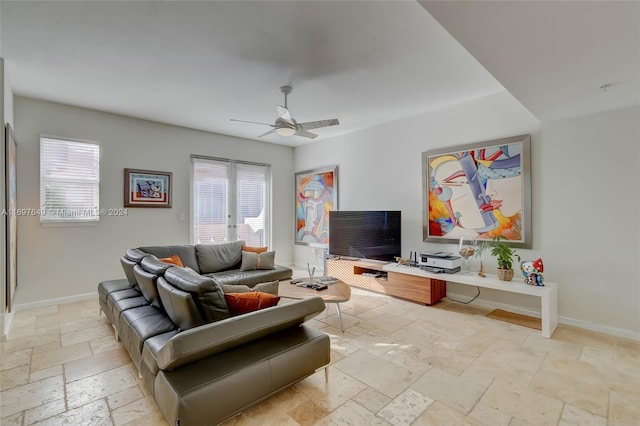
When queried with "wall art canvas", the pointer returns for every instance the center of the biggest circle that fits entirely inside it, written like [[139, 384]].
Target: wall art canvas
[[316, 194], [147, 188], [478, 191], [11, 220]]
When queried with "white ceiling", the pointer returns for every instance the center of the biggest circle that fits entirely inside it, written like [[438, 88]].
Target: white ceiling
[[199, 64]]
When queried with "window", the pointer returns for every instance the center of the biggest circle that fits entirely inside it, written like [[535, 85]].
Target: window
[[230, 201], [69, 181]]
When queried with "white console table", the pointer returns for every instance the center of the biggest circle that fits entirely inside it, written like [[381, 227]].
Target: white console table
[[548, 293]]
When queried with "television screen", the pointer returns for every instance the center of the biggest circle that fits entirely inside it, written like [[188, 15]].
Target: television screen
[[371, 235]]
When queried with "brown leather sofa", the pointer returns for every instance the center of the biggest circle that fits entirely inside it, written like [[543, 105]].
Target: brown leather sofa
[[201, 364]]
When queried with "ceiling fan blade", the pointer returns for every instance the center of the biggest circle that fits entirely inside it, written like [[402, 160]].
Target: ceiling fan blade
[[318, 124], [267, 133], [305, 134], [251, 122]]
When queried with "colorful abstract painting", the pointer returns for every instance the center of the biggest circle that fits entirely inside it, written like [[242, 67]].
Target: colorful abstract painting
[[316, 194], [146, 188], [478, 191]]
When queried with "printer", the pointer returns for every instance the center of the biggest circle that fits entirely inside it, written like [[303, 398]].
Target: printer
[[440, 261]]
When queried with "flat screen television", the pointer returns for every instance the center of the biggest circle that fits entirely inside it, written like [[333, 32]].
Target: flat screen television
[[371, 235]]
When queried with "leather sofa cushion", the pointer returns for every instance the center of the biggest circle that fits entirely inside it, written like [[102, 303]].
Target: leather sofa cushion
[[205, 291], [251, 278], [153, 265], [135, 255], [179, 306], [148, 287], [219, 257], [127, 266], [270, 287], [209, 339], [187, 254]]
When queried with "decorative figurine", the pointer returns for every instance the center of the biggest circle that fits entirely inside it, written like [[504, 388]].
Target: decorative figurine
[[532, 271]]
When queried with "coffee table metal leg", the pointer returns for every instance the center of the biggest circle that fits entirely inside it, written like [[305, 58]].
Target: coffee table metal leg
[[340, 315]]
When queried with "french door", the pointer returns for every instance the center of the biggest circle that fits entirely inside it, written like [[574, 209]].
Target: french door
[[230, 201]]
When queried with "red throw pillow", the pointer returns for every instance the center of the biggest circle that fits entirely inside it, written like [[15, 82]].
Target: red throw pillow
[[254, 249], [241, 303], [174, 260]]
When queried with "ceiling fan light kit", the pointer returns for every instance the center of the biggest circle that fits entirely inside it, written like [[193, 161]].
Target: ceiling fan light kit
[[286, 125]]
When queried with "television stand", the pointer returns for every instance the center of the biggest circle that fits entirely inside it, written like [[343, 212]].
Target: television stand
[[370, 275]]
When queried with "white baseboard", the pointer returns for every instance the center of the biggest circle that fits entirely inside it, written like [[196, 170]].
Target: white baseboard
[[614, 331], [56, 301]]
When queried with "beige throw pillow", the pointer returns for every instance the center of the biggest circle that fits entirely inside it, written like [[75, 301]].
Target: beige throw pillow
[[252, 261]]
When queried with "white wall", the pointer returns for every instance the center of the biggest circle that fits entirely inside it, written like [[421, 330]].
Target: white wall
[[576, 164], [55, 262]]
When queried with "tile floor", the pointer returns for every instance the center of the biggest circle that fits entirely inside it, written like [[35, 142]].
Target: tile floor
[[397, 363]]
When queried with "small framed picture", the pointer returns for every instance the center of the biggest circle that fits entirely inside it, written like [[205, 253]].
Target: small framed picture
[[147, 188]]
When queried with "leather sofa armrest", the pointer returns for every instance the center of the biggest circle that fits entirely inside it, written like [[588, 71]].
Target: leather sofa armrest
[[209, 339]]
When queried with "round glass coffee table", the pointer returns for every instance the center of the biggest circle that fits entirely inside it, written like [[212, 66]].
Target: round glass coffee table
[[337, 293]]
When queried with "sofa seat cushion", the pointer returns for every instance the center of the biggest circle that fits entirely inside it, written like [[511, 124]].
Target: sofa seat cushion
[[251, 278], [107, 287], [186, 253], [124, 305], [139, 324], [219, 257], [116, 296], [151, 347]]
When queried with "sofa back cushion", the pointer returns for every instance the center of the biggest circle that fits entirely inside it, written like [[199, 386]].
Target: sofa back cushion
[[128, 265], [179, 305], [146, 275], [136, 255], [206, 293], [186, 253], [219, 257]]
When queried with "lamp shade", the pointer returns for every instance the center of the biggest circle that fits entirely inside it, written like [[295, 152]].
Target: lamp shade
[[285, 131]]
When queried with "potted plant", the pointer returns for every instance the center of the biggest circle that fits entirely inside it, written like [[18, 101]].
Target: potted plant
[[504, 256]]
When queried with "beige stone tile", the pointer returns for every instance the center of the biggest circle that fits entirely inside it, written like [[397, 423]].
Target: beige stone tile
[[574, 416], [523, 403], [378, 373], [47, 347], [57, 318], [419, 333], [489, 416], [407, 356], [59, 356], [105, 344], [385, 325], [352, 413], [405, 408], [47, 372], [372, 399], [623, 410], [132, 412], [153, 419], [15, 359], [13, 420], [574, 382], [30, 341], [85, 367], [83, 324], [509, 364], [124, 397], [438, 414], [308, 412], [31, 395], [85, 335], [44, 411], [94, 414], [339, 389], [542, 345], [14, 377], [348, 321], [374, 343], [19, 332], [583, 337], [458, 392], [99, 386], [448, 356]]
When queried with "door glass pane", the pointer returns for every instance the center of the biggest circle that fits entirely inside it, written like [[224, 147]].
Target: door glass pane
[[250, 203], [210, 189]]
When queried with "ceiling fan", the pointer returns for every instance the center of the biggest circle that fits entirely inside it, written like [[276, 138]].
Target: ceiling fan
[[286, 125]]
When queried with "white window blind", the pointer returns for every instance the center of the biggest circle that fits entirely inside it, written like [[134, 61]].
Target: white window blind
[[69, 181], [229, 201]]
